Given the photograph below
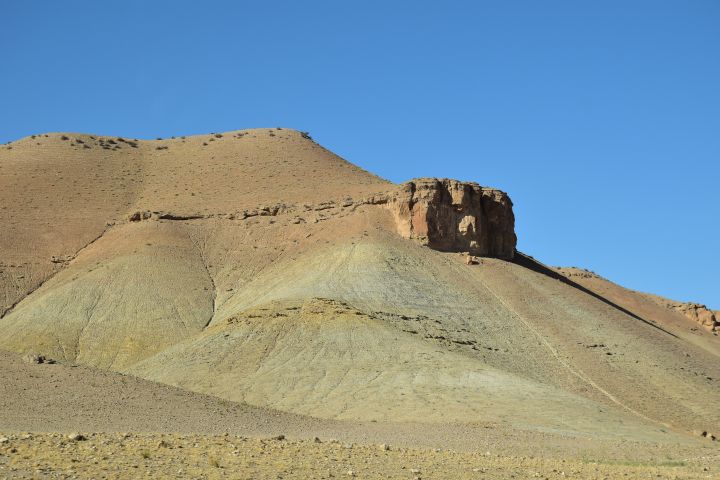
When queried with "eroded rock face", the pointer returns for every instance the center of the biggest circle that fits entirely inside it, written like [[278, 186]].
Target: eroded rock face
[[698, 313], [455, 216]]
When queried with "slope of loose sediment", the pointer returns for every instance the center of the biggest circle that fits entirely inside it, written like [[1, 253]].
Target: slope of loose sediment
[[60, 398], [59, 192], [135, 291], [499, 316], [324, 358], [681, 319]]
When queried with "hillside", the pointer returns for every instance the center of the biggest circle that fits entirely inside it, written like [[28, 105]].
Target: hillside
[[257, 267]]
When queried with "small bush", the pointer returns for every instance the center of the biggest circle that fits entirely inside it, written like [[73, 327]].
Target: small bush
[[218, 135], [64, 138], [306, 135]]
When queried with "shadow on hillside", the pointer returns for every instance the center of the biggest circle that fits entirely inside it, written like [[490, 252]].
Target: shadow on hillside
[[532, 264]]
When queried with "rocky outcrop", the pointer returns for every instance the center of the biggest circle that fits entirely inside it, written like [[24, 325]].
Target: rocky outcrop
[[455, 216], [443, 214], [698, 313]]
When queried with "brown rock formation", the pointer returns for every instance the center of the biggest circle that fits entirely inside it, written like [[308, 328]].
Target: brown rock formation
[[455, 216], [698, 313]]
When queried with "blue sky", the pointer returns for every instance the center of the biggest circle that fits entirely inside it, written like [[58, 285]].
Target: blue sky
[[601, 119]]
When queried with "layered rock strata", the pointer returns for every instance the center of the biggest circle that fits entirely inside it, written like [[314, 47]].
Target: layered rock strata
[[449, 215]]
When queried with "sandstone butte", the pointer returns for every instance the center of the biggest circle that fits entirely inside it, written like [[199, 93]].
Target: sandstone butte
[[258, 274]]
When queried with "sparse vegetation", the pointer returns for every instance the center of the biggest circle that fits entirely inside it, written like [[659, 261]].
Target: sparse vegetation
[[306, 135]]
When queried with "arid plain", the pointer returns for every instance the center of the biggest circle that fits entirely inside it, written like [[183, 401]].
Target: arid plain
[[249, 305]]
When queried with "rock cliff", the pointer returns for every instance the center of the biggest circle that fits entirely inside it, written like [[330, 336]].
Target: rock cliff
[[455, 216]]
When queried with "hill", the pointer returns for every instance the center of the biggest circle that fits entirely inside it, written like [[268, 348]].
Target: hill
[[257, 267]]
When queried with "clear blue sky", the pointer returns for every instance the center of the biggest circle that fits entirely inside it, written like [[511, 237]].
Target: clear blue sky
[[600, 118]]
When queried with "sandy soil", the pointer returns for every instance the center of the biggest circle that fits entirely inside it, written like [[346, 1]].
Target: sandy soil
[[227, 456]]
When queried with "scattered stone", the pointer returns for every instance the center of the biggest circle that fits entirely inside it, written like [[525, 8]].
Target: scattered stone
[[35, 358], [139, 216], [77, 437], [61, 258]]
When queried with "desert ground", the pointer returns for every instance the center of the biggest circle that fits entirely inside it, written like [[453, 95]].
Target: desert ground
[[249, 305]]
